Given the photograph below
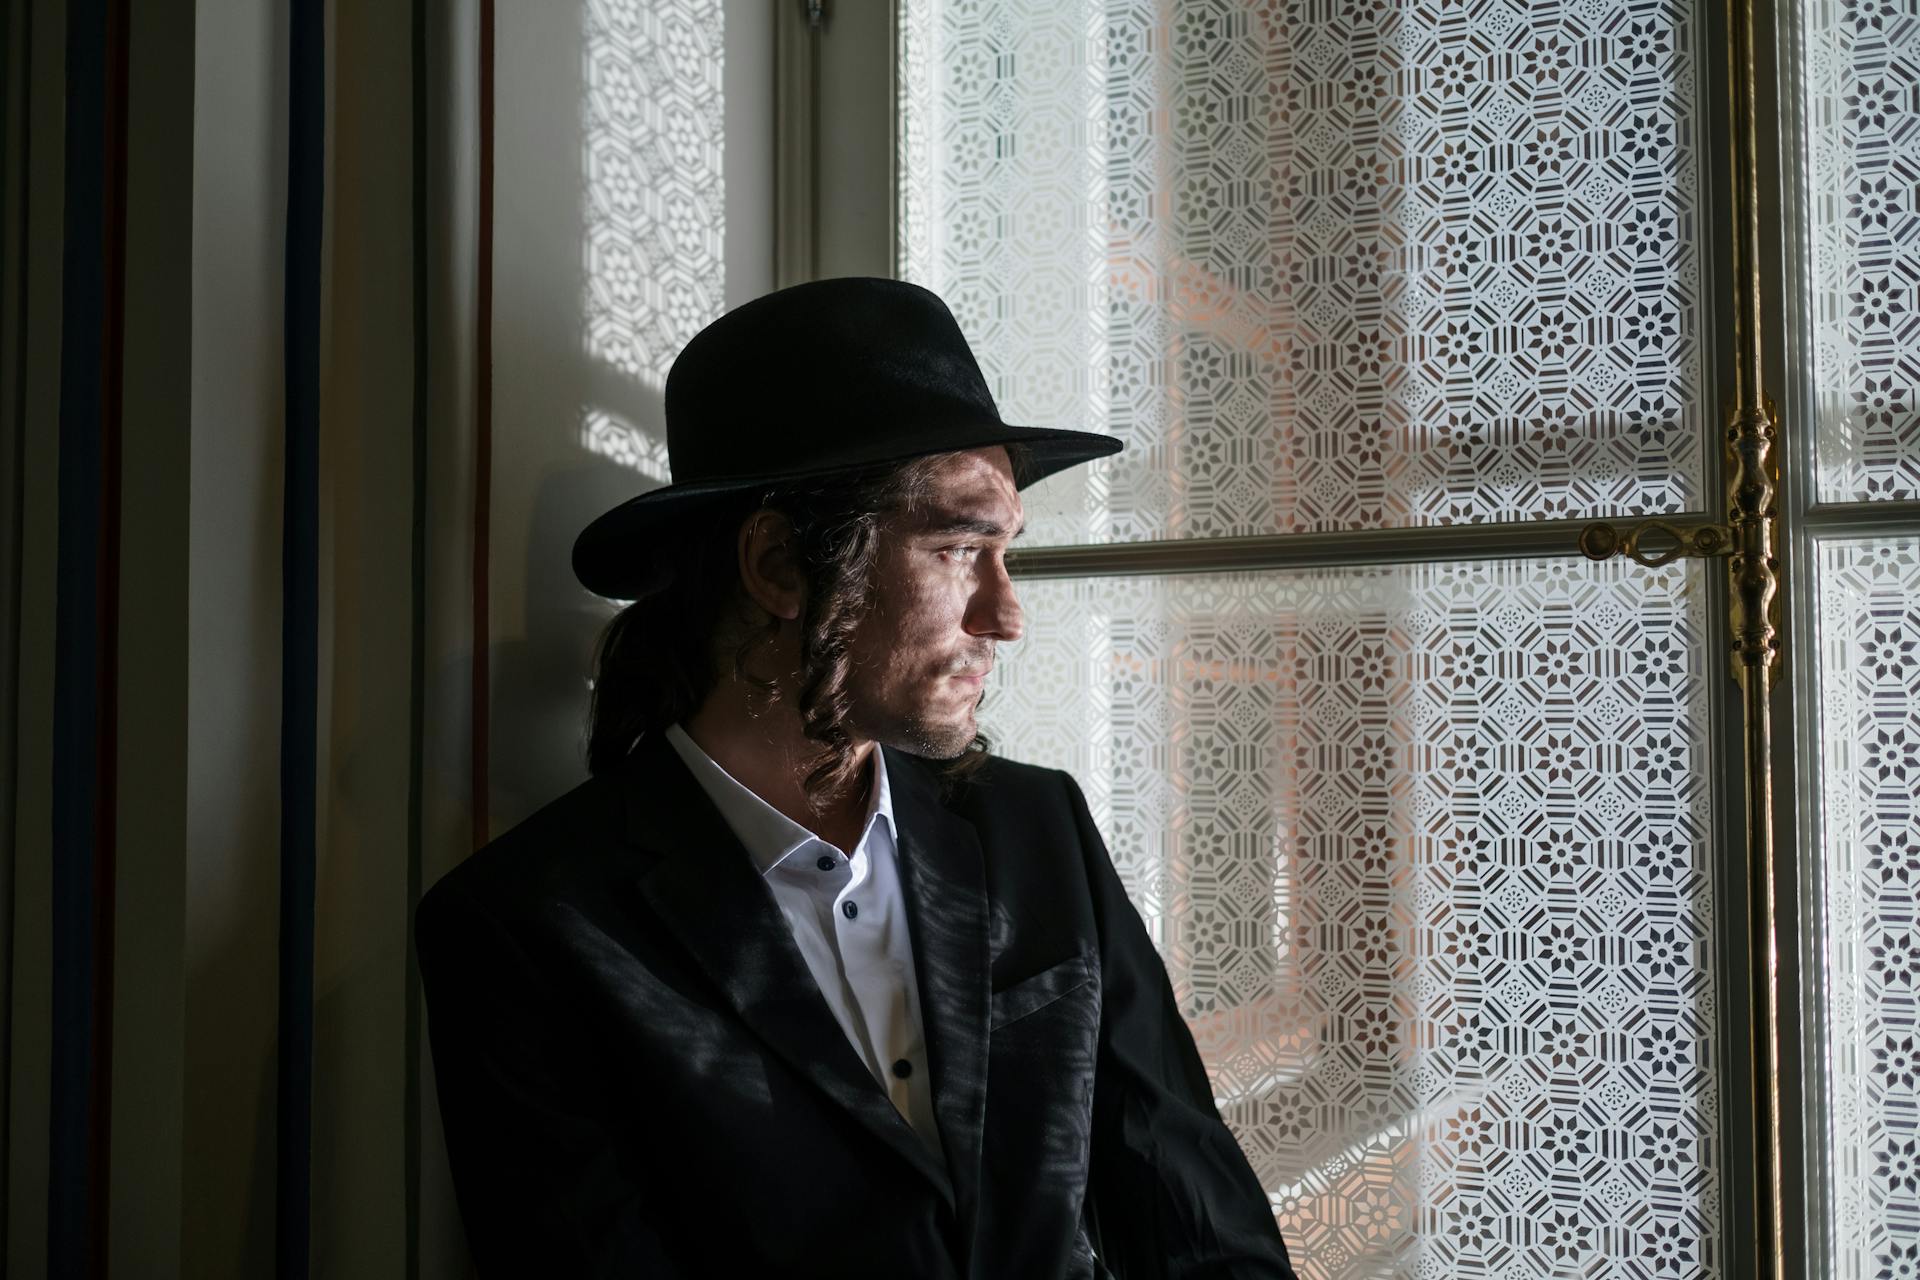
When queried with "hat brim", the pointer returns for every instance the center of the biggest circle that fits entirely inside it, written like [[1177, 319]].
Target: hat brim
[[603, 554]]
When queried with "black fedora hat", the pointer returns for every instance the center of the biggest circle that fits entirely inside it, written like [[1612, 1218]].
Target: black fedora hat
[[836, 375]]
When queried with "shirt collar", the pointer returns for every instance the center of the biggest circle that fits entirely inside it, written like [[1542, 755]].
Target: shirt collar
[[770, 836]]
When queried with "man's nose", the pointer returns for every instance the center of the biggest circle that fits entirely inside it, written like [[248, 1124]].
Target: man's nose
[[995, 609]]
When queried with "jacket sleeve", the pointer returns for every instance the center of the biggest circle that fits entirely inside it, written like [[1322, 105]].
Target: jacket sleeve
[[540, 1181], [1170, 1194]]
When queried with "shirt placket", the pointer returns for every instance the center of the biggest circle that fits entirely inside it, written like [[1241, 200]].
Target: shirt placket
[[809, 879], [852, 928], [884, 981]]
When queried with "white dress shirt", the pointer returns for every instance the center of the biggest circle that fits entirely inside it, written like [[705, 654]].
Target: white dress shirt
[[849, 919]]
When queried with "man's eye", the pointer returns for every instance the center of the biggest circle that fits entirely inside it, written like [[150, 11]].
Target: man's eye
[[961, 555]]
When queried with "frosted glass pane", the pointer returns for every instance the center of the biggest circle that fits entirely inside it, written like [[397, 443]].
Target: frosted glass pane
[[1425, 850], [1863, 148], [1870, 774], [1321, 266]]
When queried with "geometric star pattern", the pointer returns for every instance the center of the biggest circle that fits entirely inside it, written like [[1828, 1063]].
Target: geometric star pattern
[[1321, 266], [1869, 594], [1863, 149], [1426, 852]]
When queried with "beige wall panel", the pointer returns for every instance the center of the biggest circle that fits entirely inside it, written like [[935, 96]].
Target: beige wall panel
[[856, 112], [452, 180], [544, 482], [149, 977], [233, 746], [360, 989]]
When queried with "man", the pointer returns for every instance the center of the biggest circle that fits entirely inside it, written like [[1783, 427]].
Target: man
[[802, 982]]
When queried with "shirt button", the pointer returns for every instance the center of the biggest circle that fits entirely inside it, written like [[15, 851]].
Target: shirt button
[[903, 1069], [826, 863], [849, 909]]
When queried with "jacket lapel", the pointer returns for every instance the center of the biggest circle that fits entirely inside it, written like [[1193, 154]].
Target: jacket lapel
[[709, 897], [944, 878]]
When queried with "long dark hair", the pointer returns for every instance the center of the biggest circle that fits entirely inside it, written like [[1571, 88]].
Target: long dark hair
[[661, 656]]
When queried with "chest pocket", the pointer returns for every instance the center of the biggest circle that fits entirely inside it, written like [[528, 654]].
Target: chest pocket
[[1030, 995]]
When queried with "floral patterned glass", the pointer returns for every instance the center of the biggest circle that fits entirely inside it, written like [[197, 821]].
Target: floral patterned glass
[[1863, 148], [1330, 266], [1425, 850], [1869, 600]]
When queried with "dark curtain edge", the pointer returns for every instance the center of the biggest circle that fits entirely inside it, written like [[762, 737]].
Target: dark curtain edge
[[299, 721], [16, 157], [417, 653], [86, 619]]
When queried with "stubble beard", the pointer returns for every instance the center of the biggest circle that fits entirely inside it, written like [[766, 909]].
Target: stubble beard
[[935, 741], [923, 735]]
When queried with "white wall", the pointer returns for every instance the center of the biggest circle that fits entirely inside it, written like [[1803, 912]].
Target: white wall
[[547, 484]]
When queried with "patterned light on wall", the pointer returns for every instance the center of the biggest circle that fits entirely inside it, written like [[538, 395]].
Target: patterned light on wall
[[655, 200], [1348, 266]]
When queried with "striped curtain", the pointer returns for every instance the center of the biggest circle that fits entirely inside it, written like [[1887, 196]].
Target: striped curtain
[[323, 327]]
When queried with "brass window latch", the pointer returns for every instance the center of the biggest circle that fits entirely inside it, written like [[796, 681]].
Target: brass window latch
[[1750, 536], [1694, 540]]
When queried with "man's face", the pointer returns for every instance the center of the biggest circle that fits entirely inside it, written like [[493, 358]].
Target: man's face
[[942, 602]]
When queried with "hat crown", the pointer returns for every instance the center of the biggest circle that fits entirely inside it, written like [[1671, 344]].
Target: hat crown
[[841, 366]]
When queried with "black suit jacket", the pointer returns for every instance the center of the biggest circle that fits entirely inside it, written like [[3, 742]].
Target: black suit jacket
[[638, 1076]]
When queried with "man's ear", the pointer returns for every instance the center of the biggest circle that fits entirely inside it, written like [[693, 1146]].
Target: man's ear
[[768, 568]]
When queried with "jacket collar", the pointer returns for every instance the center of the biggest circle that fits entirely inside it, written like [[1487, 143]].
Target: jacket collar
[[709, 896]]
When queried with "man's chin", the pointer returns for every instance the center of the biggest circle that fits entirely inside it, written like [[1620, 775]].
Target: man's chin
[[932, 740]]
